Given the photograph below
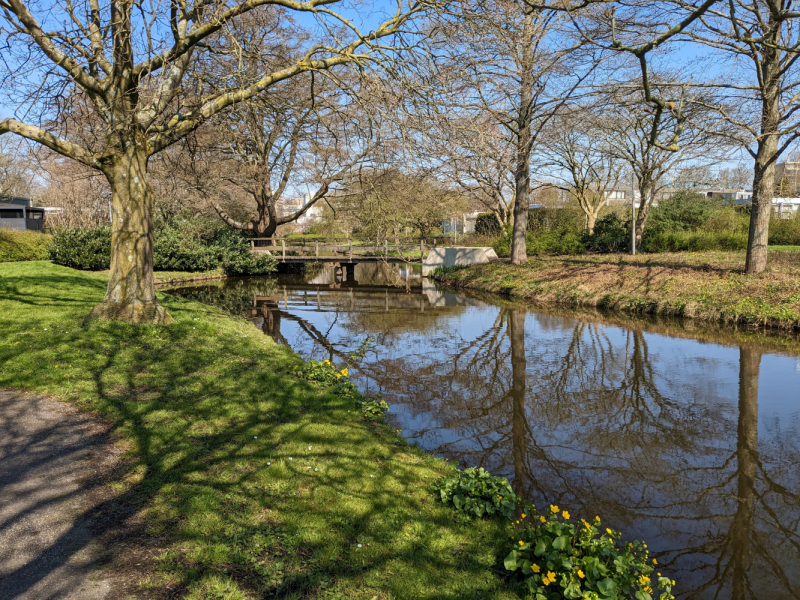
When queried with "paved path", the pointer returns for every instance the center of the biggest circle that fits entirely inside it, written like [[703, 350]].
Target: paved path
[[51, 463]]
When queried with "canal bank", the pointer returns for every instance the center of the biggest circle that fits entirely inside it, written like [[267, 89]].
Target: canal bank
[[708, 287], [684, 433], [247, 478]]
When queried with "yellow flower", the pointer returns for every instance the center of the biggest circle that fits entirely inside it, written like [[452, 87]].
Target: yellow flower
[[565, 514], [326, 362], [344, 371], [521, 543], [551, 576], [500, 497], [609, 532], [338, 375], [580, 574], [523, 515], [597, 519], [542, 519], [553, 508], [535, 568]]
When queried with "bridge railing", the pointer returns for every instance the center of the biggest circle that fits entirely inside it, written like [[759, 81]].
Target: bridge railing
[[325, 246]]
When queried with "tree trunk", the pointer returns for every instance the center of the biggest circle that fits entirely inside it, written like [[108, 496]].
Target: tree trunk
[[646, 194], [591, 219], [131, 293], [522, 175], [763, 185]]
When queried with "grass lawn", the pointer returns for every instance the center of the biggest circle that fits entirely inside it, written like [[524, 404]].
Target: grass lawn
[[709, 286], [254, 482]]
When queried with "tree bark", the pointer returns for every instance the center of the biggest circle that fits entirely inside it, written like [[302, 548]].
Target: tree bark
[[763, 189], [130, 295], [522, 175], [646, 194]]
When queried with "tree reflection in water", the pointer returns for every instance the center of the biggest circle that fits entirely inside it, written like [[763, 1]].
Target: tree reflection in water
[[641, 428]]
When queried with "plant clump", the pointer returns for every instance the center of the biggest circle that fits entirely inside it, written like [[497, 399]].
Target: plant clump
[[558, 558], [477, 492]]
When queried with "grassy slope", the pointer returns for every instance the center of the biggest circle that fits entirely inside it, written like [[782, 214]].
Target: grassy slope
[[203, 406], [709, 286]]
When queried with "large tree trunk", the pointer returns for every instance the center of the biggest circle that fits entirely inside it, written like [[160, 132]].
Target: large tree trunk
[[131, 293], [522, 175], [763, 186]]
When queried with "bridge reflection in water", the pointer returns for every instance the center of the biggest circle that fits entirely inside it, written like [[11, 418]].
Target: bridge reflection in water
[[684, 436]]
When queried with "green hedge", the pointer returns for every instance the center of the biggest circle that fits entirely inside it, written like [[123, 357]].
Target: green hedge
[[785, 232], [22, 245], [695, 241], [546, 242], [185, 244]]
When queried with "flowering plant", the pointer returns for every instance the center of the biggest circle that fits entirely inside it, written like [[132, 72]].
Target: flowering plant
[[476, 492], [372, 407], [559, 559]]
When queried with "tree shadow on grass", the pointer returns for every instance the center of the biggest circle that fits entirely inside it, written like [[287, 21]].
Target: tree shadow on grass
[[205, 416]]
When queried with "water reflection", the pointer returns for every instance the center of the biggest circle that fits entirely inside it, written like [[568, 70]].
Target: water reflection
[[691, 444]]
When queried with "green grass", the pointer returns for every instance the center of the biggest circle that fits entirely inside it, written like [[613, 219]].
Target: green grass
[[210, 414]]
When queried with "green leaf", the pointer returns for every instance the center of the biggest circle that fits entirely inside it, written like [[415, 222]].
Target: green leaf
[[541, 546], [511, 561], [561, 542], [458, 500], [607, 587]]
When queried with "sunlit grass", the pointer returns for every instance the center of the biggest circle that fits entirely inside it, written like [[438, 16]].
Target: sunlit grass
[[258, 483]]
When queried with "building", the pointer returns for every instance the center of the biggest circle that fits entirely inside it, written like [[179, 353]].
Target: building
[[18, 213], [290, 206], [732, 195]]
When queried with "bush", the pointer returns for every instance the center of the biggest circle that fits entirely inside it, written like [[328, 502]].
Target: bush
[[611, 234], [486, 224], [727, 219], [192, 245], [684, 211], [545, 242], [476, 492], [557, 559], [697, 241], [555, 219], [23, 245], [785, 232], [85, 249]]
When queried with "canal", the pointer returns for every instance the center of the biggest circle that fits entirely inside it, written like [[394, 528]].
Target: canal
[[682, 435]]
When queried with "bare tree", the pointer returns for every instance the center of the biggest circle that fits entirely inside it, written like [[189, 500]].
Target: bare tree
[[761, 43], [16, 176], [577, 155], [128, 65], [652, 153], [510, 64]]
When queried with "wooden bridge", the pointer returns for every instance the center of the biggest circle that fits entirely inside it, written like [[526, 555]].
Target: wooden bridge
[[344, 255]]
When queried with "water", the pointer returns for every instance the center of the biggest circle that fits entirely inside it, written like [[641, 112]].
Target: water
[[683, 436]]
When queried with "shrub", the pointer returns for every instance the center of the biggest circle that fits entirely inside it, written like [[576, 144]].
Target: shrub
[[697, 241], [23, 245], [684, 211], [785, 232], [555, 219], [727, 219], [193, 245], [611, 234], [545, 242], [85, 249], [486, 224], [476, 492], [558, 560]]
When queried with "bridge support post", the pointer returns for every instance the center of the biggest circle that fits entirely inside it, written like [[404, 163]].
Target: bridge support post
[[350, 270]]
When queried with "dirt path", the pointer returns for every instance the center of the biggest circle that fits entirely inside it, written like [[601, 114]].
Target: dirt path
[[52, 462]]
